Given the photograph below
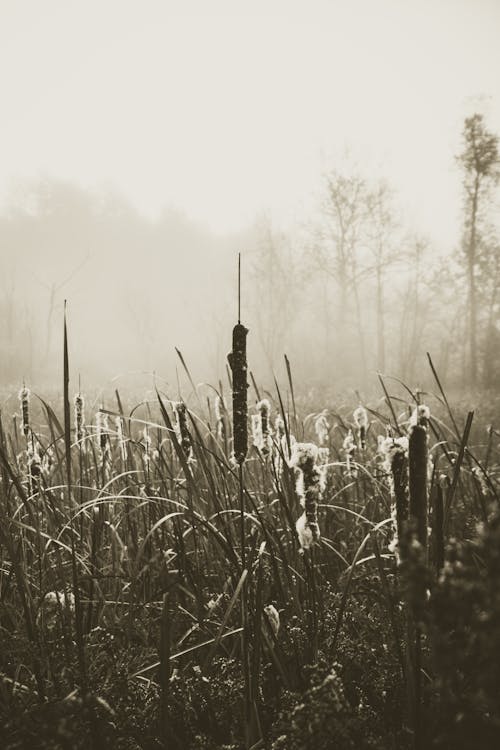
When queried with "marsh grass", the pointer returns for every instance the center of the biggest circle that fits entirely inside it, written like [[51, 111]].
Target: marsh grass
[[172, 551]]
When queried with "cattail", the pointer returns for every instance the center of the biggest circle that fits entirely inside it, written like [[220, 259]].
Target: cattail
[[147, 447], [238, 363], [279, 427], [256, 427], [282, 454], [420, 415], [79, 418], [323, 456], [34, 468], [310, 485], [220, 411], [321, 427], [360, 417], [183, 434], [418, 463], [121, 438], [264, 409], [48, 462], [51, 604], [395, 452], [273, 618], [102, 430], [24, 398], [349, 447]]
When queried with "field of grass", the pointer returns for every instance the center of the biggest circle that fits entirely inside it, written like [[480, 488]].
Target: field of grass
[[154, 592]]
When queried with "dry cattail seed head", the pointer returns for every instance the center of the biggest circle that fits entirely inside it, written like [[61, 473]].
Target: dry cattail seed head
[[238, 362]]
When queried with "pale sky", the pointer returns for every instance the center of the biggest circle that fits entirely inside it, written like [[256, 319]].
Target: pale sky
[[225, 108]]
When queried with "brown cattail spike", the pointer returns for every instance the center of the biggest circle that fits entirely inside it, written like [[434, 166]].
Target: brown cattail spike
[[182, 428], [417, 474], [400, 483], [24, 398], [238, 362]]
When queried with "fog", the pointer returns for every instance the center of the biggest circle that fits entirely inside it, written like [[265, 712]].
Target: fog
[[349, 293], [144, 145]]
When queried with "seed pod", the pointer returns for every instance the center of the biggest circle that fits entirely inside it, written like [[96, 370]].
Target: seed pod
[[238, 363]]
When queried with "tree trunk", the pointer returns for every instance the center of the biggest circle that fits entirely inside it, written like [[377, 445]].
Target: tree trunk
[[471, 267], [380, 323]]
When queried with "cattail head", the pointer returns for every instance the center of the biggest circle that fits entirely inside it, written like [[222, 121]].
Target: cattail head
[[182, 429], [261, 428], [349, 447], [238, 363], [121, 438], [34, 468], [279, 426], [395, 453], [273, 618], [418, 466], [24, 398], [264, 409], [79, 417], [360, 417], [220, 412], [256, 423], [52, 603], [321, 428], [420, 415], [48, 462], [147, 446], [310, 485], [102, 431]]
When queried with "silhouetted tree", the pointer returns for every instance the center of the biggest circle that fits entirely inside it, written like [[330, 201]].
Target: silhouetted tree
[[479, 161]]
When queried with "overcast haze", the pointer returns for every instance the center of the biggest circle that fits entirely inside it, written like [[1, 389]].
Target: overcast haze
[[142, 144], [225, 108]]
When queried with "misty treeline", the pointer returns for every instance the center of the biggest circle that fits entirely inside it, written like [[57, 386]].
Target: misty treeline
[[366, 295], [349, 292]]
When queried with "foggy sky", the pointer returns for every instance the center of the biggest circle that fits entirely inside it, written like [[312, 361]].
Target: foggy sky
[[225, 108], [140, 142]]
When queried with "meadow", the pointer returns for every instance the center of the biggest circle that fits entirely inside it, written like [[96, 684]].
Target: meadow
[[176, 573]]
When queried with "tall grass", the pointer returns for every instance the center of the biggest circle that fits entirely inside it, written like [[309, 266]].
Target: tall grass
[[177, 539]]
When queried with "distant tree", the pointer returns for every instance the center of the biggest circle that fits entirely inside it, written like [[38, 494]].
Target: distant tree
[[384, 251], [275, 276], [479, 161], [336, 247]]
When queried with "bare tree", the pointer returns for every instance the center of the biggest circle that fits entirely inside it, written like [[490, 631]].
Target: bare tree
[[275, 274], [479, 161], [384, 252], [336, 249]]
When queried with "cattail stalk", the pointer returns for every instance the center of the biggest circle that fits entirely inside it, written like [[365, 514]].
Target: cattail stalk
[[418, 457]]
